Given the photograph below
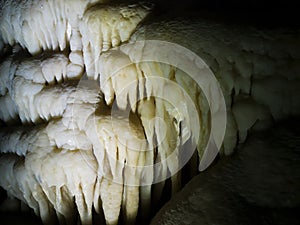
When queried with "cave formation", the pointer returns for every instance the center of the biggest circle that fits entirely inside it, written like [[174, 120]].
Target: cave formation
[[110, 109]]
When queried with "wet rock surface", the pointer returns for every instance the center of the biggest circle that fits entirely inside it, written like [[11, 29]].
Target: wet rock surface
[[259, 184]]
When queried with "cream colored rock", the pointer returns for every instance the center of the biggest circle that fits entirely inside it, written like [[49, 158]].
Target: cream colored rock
[[117, 126], [103, 27]]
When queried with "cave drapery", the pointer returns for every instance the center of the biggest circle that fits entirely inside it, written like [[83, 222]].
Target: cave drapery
[[92, 133]]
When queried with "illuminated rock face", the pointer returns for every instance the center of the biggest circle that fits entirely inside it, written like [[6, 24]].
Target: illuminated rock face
[[87, 129], [236, 192]]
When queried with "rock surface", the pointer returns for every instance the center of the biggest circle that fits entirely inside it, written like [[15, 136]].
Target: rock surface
[[259, 184]]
